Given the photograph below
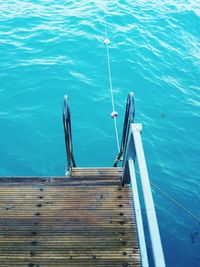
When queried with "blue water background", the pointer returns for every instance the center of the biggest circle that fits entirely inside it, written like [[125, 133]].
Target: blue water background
[[50, 48]]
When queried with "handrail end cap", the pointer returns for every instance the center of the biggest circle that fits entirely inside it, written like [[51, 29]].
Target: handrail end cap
[[136, 127]]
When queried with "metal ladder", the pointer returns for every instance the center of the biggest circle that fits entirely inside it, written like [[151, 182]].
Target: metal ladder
[[131, 152]]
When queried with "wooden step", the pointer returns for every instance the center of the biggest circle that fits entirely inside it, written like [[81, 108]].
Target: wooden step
[[83, 220], [97, 172]]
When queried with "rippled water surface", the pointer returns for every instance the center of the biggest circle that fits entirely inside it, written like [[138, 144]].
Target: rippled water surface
[[49, 48]]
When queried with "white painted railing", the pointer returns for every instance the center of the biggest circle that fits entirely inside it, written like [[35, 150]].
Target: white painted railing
[[134, 151]]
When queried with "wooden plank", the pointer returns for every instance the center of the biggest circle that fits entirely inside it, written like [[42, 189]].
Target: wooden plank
[[70, 262], [83, 220], [97, 171]]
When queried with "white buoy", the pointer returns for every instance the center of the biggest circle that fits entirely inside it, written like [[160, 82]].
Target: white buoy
[[107, 41], [114, 114]]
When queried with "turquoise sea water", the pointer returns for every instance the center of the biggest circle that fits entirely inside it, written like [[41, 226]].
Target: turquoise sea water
[[49, 48]]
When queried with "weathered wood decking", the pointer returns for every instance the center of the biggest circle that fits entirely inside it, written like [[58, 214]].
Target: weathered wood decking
[[83, 220]]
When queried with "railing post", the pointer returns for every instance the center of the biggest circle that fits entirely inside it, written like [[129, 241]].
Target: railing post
[[129, 154], [138, 215], [128, 119], [148, 199], [68, 135]]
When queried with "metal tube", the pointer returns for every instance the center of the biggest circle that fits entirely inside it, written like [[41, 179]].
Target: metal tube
[[148, 199], [138, 215]]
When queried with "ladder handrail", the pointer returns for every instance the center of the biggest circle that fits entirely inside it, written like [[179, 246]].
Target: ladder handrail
[[128, 119], [131, 150], [135, 152], [68, 134]]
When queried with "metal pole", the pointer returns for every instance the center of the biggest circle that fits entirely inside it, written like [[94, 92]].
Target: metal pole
[[138, 215], [148, 199]]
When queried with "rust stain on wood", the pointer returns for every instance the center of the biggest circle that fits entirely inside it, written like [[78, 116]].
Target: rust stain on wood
[[83, 220]]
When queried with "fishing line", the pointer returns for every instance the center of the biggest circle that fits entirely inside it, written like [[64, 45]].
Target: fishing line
[[173, 200], [114, 113]]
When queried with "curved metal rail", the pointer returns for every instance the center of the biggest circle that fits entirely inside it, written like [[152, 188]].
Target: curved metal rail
[[68, 134], [131, 150], [128, 119]]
